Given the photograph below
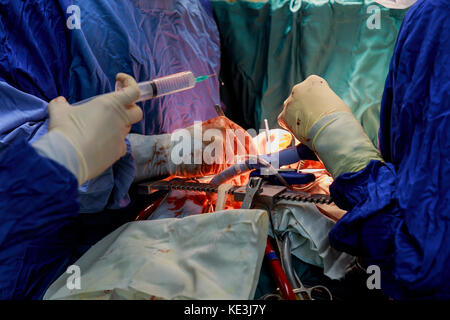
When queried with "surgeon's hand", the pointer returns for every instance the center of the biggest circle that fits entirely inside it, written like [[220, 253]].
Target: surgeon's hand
[[309, 101], [316, 116], [202, 149], [96, 130]]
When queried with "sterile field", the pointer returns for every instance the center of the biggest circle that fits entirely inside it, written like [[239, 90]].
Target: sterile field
[[250, 150]]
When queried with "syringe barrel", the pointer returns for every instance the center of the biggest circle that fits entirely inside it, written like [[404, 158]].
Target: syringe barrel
[[166, 85]]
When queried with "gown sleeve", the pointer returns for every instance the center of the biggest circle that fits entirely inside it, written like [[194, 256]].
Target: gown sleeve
[[398, 211], [38, 204]]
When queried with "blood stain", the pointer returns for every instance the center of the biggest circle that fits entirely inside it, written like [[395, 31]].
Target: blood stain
[[198, 199]]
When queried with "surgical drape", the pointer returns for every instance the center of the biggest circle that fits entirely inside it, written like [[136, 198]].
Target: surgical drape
[[269, 46]]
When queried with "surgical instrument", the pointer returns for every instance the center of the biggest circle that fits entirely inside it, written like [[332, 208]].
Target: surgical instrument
[[304, 293], [253, 188], [266, 126], [268, 194], [312, 293], [162, 86], [167, 85], [284, 157], [219, 110]]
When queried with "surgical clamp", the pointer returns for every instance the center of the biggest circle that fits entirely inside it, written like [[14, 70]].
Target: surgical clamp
[[286, 291], [304, 293]]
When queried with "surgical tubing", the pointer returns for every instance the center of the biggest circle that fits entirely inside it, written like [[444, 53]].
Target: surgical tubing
[[286, 290], [268, 166], [230, 173], [282, 158], [240, 168], [286, 261]]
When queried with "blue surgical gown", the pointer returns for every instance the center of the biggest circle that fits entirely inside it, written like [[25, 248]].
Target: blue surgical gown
[[41, 58], [398, 212], [38, 206], [41, 228]]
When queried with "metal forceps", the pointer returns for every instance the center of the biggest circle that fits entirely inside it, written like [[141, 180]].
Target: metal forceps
[[317, 292], [252, 190], [289, 283], [312, 293]]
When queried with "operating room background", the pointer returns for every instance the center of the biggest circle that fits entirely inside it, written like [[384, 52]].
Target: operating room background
[[269, 46]]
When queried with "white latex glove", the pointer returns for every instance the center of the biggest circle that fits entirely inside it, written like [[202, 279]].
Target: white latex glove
[[90, 137], [316, 116], [157, 155]]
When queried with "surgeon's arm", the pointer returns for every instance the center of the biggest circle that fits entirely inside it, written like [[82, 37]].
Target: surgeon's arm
[[321, 120], [38, 202], [205, 148], [89, 138], [397, 217]]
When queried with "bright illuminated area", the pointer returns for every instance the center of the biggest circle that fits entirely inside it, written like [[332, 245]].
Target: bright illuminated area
[[226, 154]]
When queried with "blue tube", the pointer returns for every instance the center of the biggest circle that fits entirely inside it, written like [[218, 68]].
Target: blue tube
[[290, 177], [287, 156], [284, 157]]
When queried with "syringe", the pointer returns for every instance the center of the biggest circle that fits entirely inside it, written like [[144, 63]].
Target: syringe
[[163, 86], [167, 85]]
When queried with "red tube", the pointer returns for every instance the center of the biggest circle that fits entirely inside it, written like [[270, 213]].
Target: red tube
[[285, 287], [147, 212]]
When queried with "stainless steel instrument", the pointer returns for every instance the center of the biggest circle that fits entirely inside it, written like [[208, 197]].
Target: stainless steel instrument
[[267, 194]]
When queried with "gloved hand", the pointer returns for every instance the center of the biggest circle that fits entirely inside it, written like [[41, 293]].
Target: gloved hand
[[90, 137], [316, 116], [199, 150]]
